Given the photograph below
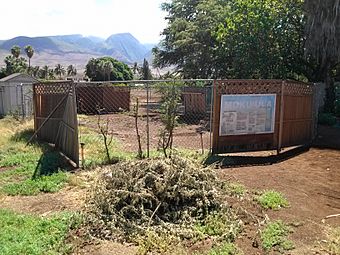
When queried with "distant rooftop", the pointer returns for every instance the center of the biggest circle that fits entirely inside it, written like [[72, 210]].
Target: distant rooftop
[[19, 77]]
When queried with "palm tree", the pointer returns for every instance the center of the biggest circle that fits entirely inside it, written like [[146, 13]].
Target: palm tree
[[51, 74], [71, 70], [35, 71], [59, 70], [29, 52], [45, 70], [323, 40], [16, 50]]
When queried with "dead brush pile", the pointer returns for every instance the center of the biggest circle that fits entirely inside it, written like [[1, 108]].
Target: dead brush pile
[[161, 195]]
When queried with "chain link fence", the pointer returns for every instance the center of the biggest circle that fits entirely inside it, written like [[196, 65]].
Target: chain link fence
[[143, 118]]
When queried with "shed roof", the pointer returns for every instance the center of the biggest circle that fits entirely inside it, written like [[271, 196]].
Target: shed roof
[[19, 77]]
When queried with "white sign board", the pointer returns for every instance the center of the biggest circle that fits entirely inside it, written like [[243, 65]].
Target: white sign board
[[247, 114]]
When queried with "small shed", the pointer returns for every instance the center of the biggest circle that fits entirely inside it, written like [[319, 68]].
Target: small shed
[[16, 94]]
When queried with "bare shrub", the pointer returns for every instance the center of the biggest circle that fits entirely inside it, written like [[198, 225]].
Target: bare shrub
[[134, 197]]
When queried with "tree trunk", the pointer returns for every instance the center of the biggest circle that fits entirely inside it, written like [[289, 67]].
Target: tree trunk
[[330, 90]]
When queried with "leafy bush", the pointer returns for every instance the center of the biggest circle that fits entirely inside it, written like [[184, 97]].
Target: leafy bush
[[275, 236], [154, 194], [327, 119], [272, 200]]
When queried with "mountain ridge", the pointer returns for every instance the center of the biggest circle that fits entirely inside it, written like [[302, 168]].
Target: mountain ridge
[[122, 46]]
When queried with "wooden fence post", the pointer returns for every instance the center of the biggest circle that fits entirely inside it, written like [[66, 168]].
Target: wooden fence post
[[282, 102]]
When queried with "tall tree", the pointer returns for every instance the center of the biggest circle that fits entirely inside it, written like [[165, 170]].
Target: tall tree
[[15, 65], [29, 52], [189, 41], [71, 70], [264, 39], [59, 70], [51, 73], [97, 70], [44, 72], [146, 72], [35, 71], [234, 39], [16, 50], [323, 40]]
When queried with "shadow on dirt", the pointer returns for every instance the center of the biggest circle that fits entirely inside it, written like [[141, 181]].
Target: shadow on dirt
[[243, 161], [328, 137]]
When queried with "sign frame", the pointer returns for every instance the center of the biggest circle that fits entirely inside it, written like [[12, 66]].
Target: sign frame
[[273, 110]]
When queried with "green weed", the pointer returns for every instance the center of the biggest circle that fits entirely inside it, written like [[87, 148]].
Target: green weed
[[223, 225], [272, 200], [235, 189], [225, 249], [274, 236], [23, 234]]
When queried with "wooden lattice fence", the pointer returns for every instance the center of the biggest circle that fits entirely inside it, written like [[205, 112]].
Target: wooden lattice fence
[[294, 115], [55, 116]]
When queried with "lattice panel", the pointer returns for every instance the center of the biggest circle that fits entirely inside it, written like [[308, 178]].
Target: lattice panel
[[298, 88], [249, 87], [53, 88]]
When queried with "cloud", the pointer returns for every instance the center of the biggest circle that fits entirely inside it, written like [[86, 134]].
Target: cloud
[[142, 18]]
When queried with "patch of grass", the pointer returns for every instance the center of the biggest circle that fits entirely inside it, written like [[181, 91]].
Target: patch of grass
[[225, 249], [47, 184], [23, 234], [274, 236], [30, 169], [272, 199], [94, 150], [223, 225], [235, 189], [332, 246]]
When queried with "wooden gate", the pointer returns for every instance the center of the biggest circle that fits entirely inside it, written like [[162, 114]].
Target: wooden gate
[[55, 116], [293, 123]]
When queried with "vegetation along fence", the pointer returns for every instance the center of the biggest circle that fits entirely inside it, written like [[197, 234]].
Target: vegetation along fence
[[111, 120], [143, 118]]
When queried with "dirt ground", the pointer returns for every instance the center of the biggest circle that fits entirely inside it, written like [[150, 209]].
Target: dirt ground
[[311, 183], [122, 126]]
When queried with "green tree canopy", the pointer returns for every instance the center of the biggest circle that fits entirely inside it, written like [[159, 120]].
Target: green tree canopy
[[71, 70], [16, 50], [235, 39], [189, 39], [29, 52], [59, 70], [107, 68]]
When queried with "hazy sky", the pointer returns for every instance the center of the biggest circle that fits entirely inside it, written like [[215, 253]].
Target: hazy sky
[[142, 18]]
